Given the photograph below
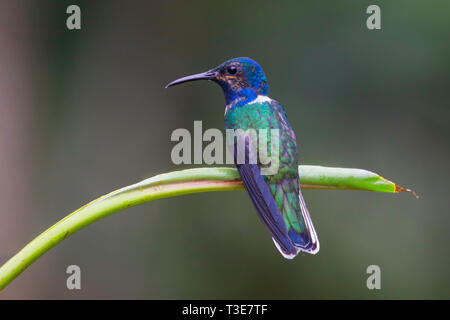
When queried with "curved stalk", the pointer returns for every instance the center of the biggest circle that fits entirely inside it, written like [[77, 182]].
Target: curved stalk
[[174, 184]]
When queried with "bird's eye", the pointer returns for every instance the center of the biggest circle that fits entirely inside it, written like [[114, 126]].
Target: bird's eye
[[232, 70]]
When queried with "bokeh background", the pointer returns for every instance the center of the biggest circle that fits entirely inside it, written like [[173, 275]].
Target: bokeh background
[[85, 112]]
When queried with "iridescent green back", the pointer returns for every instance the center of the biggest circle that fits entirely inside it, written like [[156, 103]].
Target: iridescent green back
[[284, 185]]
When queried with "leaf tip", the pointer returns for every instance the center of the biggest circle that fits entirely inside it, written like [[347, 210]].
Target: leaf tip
[[401, 189]]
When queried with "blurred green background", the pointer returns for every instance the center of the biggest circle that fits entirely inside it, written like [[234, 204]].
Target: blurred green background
[[85, 112]]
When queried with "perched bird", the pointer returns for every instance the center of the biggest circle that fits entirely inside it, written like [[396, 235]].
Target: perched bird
[[277, 197]]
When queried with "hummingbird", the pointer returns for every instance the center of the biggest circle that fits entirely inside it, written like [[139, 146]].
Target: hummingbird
[[277, 198]]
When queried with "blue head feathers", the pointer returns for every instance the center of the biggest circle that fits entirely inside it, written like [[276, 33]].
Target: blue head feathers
[[242, 80]]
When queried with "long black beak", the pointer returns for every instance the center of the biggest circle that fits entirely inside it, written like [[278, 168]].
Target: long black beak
[[208, 75]]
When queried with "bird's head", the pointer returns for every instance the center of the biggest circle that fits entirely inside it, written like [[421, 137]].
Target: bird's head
[[242, 80]]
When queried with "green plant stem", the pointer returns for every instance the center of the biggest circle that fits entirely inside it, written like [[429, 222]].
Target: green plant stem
[[175, 184]]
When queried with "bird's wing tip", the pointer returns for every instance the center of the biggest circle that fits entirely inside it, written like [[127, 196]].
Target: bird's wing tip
[[285, 255]]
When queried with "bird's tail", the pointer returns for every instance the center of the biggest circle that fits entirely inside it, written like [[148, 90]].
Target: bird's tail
[[308, 240]]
